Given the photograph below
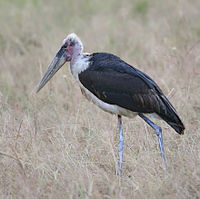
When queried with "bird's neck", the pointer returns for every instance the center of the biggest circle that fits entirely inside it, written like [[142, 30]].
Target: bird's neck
[[79, 63], [75, 57]]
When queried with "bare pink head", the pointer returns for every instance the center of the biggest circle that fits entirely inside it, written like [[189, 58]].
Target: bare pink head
[[73, 46]]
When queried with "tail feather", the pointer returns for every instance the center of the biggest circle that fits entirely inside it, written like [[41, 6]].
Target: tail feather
[[174, 122], [170, 116]]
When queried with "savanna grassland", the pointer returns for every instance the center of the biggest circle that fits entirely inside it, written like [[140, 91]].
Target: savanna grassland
[[56, 144]]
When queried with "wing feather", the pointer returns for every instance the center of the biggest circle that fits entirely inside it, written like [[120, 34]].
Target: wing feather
[[122, 89], [115, 82]]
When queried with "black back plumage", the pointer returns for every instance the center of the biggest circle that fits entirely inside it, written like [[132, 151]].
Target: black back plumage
[[115, 82]]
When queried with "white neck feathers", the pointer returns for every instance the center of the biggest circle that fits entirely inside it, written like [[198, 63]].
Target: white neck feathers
[[79, 64]]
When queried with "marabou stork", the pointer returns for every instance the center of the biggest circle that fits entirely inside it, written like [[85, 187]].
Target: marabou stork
[[116, 87]]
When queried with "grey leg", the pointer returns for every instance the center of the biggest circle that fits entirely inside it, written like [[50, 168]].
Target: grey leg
[[121, 145], [158, 131]]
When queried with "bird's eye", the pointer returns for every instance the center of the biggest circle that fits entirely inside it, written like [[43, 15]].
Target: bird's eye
[[71, 43]]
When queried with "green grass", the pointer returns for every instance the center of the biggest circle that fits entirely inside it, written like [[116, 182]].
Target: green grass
[[56, 144], [141, 7]]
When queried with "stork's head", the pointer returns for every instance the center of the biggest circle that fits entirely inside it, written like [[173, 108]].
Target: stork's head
[[71, 47]]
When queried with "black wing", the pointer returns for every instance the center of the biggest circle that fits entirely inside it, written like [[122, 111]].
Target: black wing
[[116, 82]]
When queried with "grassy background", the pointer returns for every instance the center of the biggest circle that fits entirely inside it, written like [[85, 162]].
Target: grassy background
[[56, 144]]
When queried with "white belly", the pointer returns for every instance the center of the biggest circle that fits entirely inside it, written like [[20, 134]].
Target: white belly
[[114, 109]]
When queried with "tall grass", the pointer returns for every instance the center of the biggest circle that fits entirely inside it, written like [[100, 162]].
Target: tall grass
[[58, 145]]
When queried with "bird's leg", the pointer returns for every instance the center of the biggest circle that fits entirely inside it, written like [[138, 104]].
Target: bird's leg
[[158, 131], [120, 146]]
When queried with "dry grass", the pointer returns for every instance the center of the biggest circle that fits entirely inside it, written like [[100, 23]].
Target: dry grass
[[56, 144]]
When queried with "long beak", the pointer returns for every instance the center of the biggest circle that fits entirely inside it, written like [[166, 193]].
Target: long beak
[[55, 65]]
